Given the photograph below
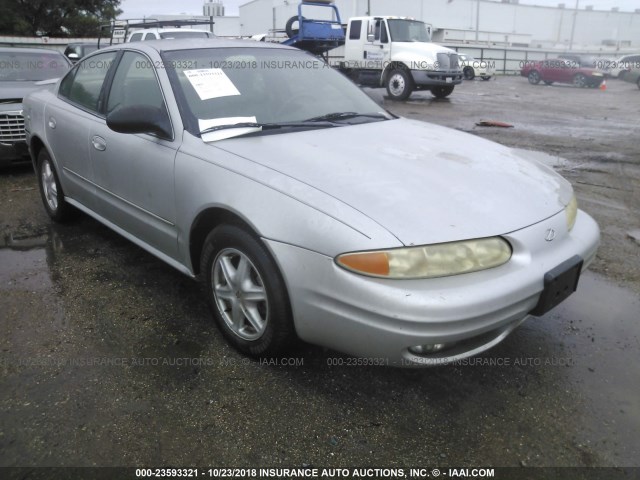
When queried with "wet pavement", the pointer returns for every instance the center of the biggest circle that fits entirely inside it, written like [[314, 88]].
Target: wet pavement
[[108, 356]]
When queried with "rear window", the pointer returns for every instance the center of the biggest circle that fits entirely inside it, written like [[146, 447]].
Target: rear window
[[185, 34], [31, 66]]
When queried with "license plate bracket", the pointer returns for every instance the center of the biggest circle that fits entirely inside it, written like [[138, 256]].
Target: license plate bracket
[[559, 284]]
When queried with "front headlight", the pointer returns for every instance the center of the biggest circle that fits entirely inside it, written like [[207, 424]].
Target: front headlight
[[429, 261], [572, 212]]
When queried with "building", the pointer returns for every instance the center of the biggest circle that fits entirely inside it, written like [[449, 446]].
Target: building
[[213, 8], [490, 22]]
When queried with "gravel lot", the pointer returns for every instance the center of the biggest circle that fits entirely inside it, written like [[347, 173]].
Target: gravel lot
[[107, 356]]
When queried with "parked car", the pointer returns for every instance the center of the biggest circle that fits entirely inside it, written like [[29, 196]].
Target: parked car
[[633, 76], [303, 208], [472, 68], [622, 65], [75, 51], [22, 70], [167, 34], [561, 71], [587, 61]]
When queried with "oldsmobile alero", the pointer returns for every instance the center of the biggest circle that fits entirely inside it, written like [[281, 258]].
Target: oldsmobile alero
[[305, 209]]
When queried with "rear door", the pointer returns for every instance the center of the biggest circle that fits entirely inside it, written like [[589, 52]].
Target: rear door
[[69, 120]]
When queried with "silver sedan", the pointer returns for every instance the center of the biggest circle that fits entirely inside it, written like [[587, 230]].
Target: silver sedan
[[306, 210]]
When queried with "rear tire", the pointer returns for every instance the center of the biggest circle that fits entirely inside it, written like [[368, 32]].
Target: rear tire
[[291, 32], [441, 92], [246, 292], [50, 189], [486, 78]]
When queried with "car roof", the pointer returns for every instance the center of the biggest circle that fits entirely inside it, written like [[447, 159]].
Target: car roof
[[194, 44], [28, 50]]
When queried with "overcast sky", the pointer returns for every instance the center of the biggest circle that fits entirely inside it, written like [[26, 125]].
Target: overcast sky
[[142, 8]]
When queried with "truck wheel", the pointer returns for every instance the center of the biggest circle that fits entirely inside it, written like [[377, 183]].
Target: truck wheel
[[399, 84], [441, 92], [291, 32]]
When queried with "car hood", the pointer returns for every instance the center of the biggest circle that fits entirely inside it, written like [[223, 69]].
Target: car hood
[[422, 182], [16, 91]]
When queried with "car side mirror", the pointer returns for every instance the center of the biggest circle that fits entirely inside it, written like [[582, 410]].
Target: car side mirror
[[371, 37], [140, 119], [73, 56]]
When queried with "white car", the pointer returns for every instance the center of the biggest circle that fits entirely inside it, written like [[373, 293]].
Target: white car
[[472, 68], [167, 34], [622, 65]]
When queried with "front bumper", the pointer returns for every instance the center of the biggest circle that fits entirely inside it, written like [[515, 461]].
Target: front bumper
[[429, 78], [380, 319], [13, 153]]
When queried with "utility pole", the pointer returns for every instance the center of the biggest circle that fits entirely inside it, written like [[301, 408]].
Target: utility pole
[[477, 20], [573, 25]]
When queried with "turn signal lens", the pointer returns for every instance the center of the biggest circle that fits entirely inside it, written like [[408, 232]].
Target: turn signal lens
[[375, 263], [572, 212], [429, 261]]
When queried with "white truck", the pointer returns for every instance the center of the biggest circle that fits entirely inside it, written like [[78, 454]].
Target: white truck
[[396, 53]]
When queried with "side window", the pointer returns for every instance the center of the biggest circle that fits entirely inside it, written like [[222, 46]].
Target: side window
[[356, 28], [149, 36], [134, 83], [84, 86], [136, 37]]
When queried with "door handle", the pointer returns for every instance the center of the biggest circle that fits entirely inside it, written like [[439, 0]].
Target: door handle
[[52, 123], [99, 143]]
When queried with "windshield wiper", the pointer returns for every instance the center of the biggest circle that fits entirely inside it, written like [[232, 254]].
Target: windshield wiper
[[346, 116], [269, 126]]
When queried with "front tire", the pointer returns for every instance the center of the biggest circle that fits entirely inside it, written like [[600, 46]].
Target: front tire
[[441, 92], [469, 73], [399, 84], [50, 189], [486, 78], [580, 80], [246, 292], [534, 77]]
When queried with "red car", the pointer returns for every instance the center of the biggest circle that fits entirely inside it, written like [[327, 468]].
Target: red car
[[561, 71]]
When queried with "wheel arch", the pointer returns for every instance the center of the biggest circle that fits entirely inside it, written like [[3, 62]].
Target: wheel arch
[[390, 68], [35, 145], [207, 220]]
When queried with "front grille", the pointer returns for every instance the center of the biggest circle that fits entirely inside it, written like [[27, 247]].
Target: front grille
[[448, 61], [11, 127]]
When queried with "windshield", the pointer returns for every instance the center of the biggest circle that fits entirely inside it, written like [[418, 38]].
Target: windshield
[[184, 34], [226, 86], [408, 31], [21, 66]]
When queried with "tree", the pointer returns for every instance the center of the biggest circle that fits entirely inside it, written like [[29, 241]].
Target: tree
[[56, 18]]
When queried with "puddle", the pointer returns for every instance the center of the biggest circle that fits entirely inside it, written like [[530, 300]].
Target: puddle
[[24, 270], [599, 326]]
